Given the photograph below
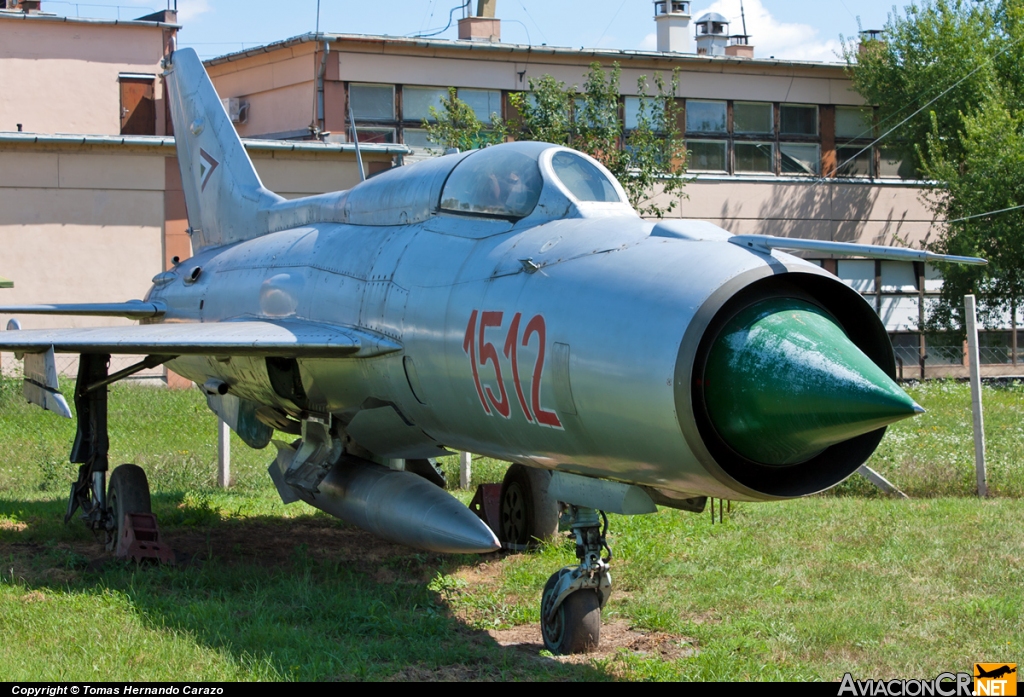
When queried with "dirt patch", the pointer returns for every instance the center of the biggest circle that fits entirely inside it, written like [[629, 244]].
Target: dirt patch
[[616, 636], [452, 673], [285, 543], [13, 526], [33, 597]]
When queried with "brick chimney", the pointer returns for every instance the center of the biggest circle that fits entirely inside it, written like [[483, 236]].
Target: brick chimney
[[483, 26]]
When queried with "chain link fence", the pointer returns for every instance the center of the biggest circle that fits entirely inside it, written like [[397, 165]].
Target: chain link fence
[[67, 367]]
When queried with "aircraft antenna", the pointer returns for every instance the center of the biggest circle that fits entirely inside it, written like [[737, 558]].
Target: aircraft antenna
[[744, 18], [355, 139]]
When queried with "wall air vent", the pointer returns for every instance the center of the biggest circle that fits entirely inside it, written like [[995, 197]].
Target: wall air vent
[[237, 109]]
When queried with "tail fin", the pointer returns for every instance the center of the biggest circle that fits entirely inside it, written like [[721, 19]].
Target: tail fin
[[223, 193]]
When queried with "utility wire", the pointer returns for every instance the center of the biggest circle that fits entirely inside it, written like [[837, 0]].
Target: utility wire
[[598, 42], [534, 21], [982, 215], [447, 26], [925, 106]]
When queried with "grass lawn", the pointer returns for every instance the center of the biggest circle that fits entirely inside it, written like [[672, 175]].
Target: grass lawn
[[847, 581]]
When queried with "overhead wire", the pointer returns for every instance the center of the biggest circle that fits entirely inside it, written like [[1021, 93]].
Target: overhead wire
[[982, 215], [597, 43], [534, 21], [922, 108], [451, 14]]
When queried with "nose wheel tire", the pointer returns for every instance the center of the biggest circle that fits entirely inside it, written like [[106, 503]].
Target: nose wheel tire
[[528, 512], [127, 492], [575, 626]]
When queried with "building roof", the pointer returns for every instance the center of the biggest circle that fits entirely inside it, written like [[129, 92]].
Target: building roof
[[528, 50], [712, 17], [47, 17], [168, 141]]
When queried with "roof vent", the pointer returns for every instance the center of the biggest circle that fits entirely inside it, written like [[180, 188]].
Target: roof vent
[[712, 34], [673, 20]]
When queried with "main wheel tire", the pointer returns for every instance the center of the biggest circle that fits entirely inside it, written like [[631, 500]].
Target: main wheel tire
[[127, 492], [576, 625], [528, 512]]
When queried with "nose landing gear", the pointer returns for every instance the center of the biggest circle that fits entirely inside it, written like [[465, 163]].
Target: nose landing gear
[[570, 607]]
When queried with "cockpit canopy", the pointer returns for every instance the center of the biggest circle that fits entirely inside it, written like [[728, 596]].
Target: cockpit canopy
[[511, 181], [494, 181], [507, 182]]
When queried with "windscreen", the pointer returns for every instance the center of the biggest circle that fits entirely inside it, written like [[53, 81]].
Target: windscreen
[[585, 181], [494, 181]]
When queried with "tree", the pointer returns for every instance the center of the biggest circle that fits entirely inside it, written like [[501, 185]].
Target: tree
[[960, 67], [455, 125], [647, 159]]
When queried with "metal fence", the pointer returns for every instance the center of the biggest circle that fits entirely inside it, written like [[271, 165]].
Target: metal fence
[[954, 355], [67, 367]]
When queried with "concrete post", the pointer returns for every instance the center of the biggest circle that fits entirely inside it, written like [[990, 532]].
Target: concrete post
[[223, 454], [465, 465], [979, 423]]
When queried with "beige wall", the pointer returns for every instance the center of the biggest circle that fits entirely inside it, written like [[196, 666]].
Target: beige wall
[[830, 210], [62, 77], [96, 223]]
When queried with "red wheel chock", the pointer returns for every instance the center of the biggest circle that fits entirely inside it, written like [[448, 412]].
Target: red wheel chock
[[140, 540], [486, 504]]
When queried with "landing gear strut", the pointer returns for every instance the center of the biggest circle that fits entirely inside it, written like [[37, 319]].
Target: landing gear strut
[[103, 509], [570, 607], [91, 445]]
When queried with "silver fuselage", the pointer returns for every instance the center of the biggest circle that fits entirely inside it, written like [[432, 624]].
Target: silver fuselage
[[602, 333]]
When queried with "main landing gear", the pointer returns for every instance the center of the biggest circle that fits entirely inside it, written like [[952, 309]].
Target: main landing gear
[[573, 596], [105, 508]]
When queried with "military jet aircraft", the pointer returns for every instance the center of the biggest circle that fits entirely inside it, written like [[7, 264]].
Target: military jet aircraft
[[506, 301]]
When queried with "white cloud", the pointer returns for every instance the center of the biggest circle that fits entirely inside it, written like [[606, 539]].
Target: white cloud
[[190, 9], [769, 36]]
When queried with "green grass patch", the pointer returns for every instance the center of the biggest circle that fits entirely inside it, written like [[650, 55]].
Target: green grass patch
[[849, 581]]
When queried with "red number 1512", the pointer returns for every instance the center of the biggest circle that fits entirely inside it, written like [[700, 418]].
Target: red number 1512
[[482, 352]]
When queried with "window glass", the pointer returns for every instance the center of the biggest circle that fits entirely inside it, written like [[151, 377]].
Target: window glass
[[493, 182], [417, 138], [416, 102], [376, 135], [799, 158], [859, 274], [705, 117], [585, 181], [372, 102], [798, 120], [707, 155], [894, 162], [898, 276], [853, 161], [853, 122], [632, 113], [483, 102], [752, 117], [755, 157]]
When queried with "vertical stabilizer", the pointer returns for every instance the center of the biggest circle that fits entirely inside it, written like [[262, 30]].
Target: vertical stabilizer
[[223, 193]]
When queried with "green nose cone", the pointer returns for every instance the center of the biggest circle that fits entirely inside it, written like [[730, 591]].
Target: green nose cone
[[783, 382]]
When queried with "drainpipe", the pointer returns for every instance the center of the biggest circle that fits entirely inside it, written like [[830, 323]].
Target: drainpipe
[[318, 107]]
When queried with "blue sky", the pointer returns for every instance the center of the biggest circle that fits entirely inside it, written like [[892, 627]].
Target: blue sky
[[794, 29]]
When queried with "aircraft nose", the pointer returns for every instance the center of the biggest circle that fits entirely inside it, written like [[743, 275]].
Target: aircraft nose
[[783, 382]]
